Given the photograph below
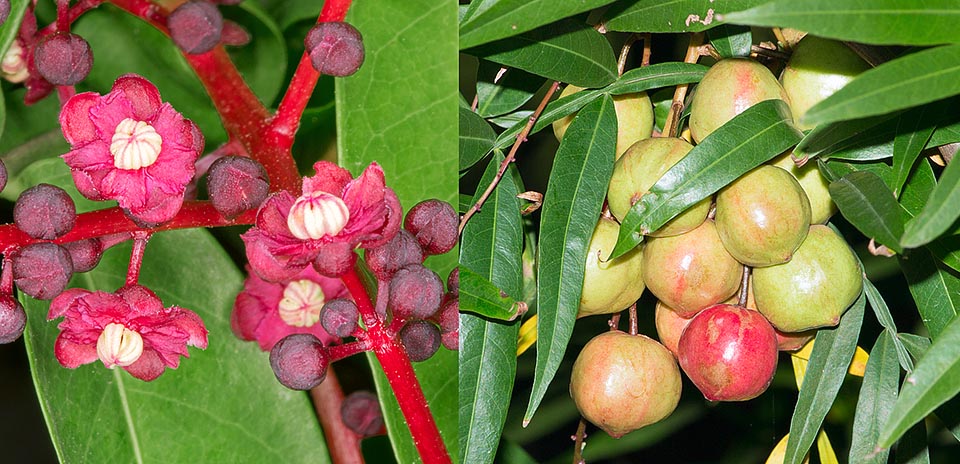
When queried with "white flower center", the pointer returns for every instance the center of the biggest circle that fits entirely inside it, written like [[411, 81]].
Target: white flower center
[[14, 65], [316, 215], [119, 346], [301, 303], [135, 145]]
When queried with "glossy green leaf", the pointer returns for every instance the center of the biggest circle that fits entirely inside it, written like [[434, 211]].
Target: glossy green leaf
[[947, 132], [829, 360], [567, 51], [11, 27], [476, 138], [892, 22], [935, 288], [287, 12], [949, 412], [505, 18], [940, 212], [731, 41], [881, 380], [914, 129], [670, 15], [913, 199], [491, 246], [836, 136], [912, 80], [751, 138], [870, 206], [475, 8], [571, 207], [935, 380], [882, 312], [262, 62], [481, 297], [501, 91]]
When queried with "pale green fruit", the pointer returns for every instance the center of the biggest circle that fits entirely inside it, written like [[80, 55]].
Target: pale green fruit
[[642, 166], [812, 290], [728, 89], [763, 216], [634, 118], [818, 68], [609, 286], [691, 271], [814, 185]]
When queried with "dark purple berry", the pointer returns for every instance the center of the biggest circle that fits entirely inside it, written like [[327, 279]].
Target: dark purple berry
[[3, 173], [85, 254], [299, 361], [337, 258], [42, 270], [435, 224], [237, 184], [12, 320], [63, 58], [360, 412], [335, 48], [421, 339], [195, 26], [44, 211], [400, 251], [339, 317], [453, 281], [415, 292]]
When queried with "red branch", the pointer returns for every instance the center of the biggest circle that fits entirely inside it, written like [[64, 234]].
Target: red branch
[[344, 443]]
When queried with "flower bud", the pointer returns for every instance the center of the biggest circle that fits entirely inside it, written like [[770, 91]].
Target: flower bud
[[237, 184], [421, 339], [119, 346], [360, 412], [453, 281], [401, 250], [335, 48], [195, 26], [63, 58], [316, 215], [42, 270], [415, 292], [435, 224], [85, 254], [299, 361], [12, 320], [339, 317], [44, 211]]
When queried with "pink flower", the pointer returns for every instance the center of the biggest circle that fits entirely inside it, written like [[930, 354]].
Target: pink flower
[[266, 311], [130, 147], [334, 215], [129, 328]]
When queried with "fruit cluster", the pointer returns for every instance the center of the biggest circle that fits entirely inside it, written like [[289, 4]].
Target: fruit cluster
[[739, 275]]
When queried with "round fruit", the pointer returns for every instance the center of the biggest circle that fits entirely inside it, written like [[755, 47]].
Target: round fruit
[[814, 185], [634, 118], [642, 166], [728, 89], [817, 68], [814, 288], [623, 382], [763, 216], [793, 341], [609, 286], [691, 271], [729, 353], [669, 326]]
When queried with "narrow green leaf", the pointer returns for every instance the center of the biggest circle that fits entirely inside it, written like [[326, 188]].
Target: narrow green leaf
[[913, 131], [913, 198], [500, 92], [947, 132], [949, 412], [567, 51], [841, 135], [890, 22], [476, 138], [917, 345], [571, 206], [731, 41], [912, 447], [671, 15], [912, 80], [882, 311], [751, 138], [870, 206], [474, 8], [935, 288], [940, 212], [507, 18], [828, 365], [935, 380], [881, 379], [491, 246], [481, 297]]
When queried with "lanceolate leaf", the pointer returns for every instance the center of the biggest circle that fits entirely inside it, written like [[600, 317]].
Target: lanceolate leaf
[[939, 213], [828, 138], [481, 297], [501, 91], [828, 364], [882, 312], [507, 18], [912, 80], [913, 131], [935, 288], [869, 205], [913, 198], [751, 138], [476, 138], [730, 41], [491, 246], [671, 15], [571, 208], [877, 394], [875, 22]]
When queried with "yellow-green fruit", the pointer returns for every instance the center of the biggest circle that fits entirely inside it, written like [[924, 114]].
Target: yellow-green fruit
[[609, 286], [763, 216], [634, 118], [622, 382], [642, 166], [817, 68], [814, 288], [728, 89], [814, 185]]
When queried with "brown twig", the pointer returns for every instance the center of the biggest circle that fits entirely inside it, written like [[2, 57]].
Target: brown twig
[[624, 52], [633, 318], [744, 286], [614, 322], [676, 106], [647, 49], [578, 442]]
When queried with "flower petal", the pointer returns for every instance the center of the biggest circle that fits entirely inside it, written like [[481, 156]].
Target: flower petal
[[143, 96], [72, 355], [148, 367], [75, 120], [330, 178], [62, 302]]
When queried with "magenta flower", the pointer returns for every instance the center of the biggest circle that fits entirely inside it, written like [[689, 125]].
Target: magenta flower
[[265, 312], [334, 215], [130, 147], [129, 328]]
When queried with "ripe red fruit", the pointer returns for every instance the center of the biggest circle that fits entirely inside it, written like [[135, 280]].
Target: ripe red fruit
[[237, 184], [12, 320], [42, 270], [339, 317], [360, 412], [44, 211], [421, 339], [335, 48], [299, 361], [195, 26], [415, 292], [434, 223], [63, 58]]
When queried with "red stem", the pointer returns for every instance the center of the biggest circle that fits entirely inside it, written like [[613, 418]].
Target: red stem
[[140, 239], [338, 352], [344, 443], [396, 365]]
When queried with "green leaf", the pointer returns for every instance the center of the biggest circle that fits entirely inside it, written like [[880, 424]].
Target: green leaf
[[935, 380], [917, 345], [731, 41], [491, 246], [877, 394], [505, 18], [751, 138], [11, 27], [870, 206], [480, 296], [262, 62], [913, 198], [500, 92], [882, 311], [829, 361], [476, 138], [840, 135], [287, 12], [571, 207], [890, 22], [935, 288], [913, 131], [940, 212], [949, 412], [670, 15], [567, 51], [912, 80]]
